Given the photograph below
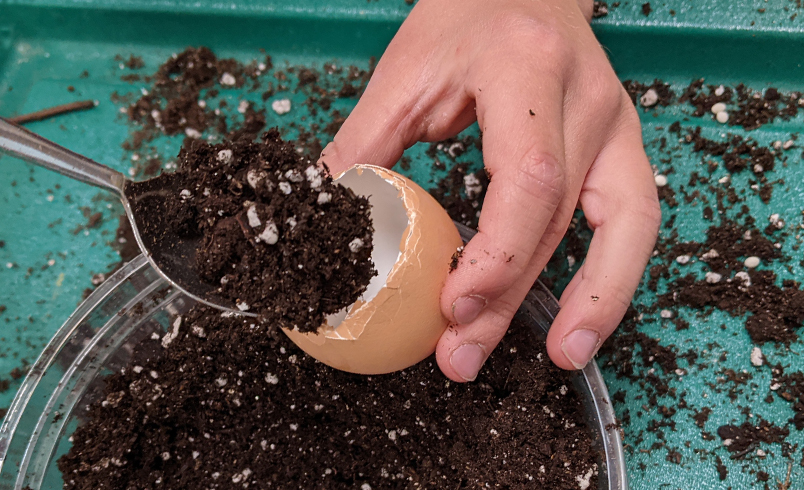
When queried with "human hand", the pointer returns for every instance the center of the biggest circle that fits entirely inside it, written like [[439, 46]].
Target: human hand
[[558, 130]]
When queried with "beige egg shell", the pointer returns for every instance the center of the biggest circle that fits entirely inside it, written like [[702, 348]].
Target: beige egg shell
[[401, 325]]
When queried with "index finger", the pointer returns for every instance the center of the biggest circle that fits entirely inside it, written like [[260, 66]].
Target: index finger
[[523, 150]]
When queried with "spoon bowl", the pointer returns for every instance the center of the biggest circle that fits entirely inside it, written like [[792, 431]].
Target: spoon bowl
[[146, 204]]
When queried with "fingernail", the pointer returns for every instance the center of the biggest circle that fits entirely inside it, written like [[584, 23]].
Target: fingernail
[[466, 308], [467, 360], [579, 346]]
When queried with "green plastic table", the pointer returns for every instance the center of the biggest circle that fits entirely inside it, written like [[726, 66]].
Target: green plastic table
[[48, 258]]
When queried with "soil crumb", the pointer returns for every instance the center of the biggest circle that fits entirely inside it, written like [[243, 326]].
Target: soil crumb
[[461, 193], [777, 312], [278, 237]]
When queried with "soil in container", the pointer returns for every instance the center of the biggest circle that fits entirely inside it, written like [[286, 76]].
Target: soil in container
[[231, 403]]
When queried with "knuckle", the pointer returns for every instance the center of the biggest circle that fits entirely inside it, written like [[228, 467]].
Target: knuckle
[[540, 176], [505, 309], [649, 211], [621, 296], [605, 92], [526, 35], [502, 275]]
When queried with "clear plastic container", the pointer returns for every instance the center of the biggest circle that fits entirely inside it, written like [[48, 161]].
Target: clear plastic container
[[135, 302]]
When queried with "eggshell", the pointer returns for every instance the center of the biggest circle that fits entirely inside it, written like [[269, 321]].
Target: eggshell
[[402, 323]]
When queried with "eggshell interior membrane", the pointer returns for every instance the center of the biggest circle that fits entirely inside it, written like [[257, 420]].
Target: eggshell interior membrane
[[398, 321]]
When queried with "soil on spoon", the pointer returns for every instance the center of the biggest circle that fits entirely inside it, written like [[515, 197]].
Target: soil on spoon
[[278, 237], [229, 403]]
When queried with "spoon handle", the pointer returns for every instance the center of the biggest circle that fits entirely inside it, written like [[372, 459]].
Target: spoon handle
[[35, 149]]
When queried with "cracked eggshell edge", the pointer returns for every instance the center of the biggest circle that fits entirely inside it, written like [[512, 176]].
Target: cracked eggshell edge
[[401, 325]]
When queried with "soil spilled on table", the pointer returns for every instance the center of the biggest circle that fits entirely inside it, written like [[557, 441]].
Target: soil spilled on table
[[278, 236], [229, 403]]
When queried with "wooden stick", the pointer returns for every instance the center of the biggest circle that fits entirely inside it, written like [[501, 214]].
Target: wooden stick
[[58, 110]]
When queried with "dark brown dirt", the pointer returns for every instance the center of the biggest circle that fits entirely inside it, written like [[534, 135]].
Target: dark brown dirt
[[228, 405], [665, 95], [171, 106], [777, 312], [279, 238], [790, 387], [600, 9], [748, 108], [745, 438], [462, 193]]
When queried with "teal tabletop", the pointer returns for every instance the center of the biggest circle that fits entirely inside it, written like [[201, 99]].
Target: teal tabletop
[[687, 376]]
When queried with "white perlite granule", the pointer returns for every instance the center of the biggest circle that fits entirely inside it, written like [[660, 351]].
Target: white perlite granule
[[649, 98], [314, 176], [713, 277], [285, 187], [683, 259], [242, 306], [324, 197], [660, 180], [281, 106], [711, 254], [294, 176], [743, 277], [254, 178], [270, 234], [242, 107], [192, 133], [472, 186], [756, 357], [355, 245], [253, 219], [752, 262], [718, 108], [776, 221], [584, 481], [228, 79], [271, 379], [174, 332], [225, 157]]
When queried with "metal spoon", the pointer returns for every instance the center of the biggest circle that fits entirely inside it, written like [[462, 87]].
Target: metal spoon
[[170, 254]]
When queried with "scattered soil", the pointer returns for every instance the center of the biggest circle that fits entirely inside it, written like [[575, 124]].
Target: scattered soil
[[461, 193], [747, 108], [264, 415], [279, 238], [174, 103], [745, 438], [133, 62], [664, 95], [790, 387], [646, 10], [600, 9], [777, 312]]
